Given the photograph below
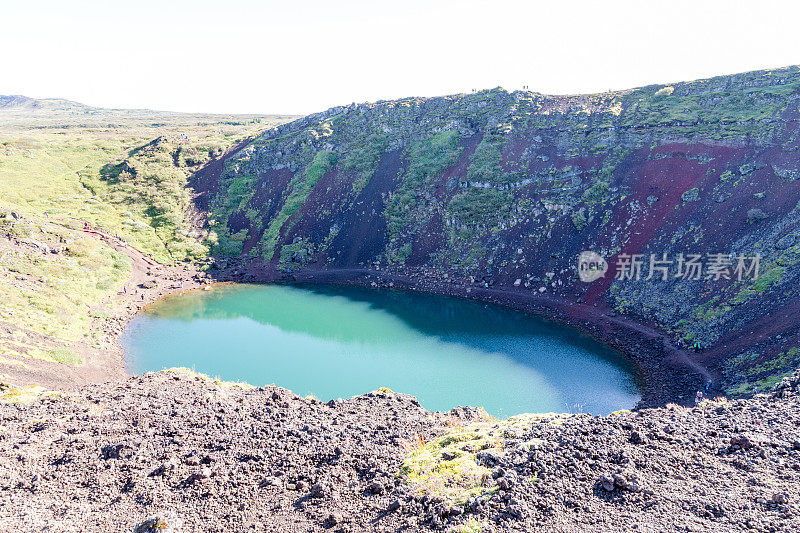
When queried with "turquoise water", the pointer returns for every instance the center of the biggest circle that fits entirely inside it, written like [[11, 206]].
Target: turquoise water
[[337, 342]]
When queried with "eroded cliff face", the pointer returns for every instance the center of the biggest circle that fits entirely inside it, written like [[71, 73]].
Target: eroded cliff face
[[507, 189]]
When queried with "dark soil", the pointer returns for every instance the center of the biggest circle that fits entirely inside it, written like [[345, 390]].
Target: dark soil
[[219, 457]]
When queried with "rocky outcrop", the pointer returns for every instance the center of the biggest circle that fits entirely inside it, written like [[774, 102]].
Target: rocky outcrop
[[179, 450], [505, 190]]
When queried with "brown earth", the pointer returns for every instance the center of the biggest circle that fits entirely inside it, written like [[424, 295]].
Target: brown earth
[[149, 281], [209, 456]]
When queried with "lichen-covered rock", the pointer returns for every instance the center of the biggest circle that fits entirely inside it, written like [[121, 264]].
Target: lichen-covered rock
[[166, 522]]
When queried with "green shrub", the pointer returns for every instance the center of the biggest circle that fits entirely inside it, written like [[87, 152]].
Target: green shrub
[[596, 193], [300, 187], [480, 206], [428, 158]]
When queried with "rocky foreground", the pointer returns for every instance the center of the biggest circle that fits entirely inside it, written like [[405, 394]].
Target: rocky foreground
[[179, 451]]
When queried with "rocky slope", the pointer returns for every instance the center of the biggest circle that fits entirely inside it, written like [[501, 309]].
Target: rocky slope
[[502, 191], [203, 455]]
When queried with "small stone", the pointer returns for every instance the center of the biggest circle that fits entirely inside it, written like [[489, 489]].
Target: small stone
[[394, 506], [112, 451], [333, 519], [376, 487], [741, 441], [318, 490], [607, 482], [780, 498], [167, 522]]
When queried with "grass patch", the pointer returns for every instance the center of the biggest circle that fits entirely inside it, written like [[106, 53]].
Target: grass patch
[[363, 159], [474, 206], [764, 282], [428, 159], [192, 374], [52, 293], [101, 167], [26, 394], [470, 526], [300, 187], [450, 467]]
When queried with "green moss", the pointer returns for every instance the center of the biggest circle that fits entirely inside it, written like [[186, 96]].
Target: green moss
[[300, 187], [470, 526], [690, 195], [596, 193], [747, 388], [296, 254], [480, 206], [448, 466], [428, 159], [26, 394], [456, 479], [715, 114], [763, 283], [579, 219], [190, 373], [663, 92]]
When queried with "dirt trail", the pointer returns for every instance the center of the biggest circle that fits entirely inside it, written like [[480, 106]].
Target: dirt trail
[[148, 281]]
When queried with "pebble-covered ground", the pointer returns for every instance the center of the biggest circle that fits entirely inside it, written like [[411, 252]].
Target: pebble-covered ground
[[179, 451]]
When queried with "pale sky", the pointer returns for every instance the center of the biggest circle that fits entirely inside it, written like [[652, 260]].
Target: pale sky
[[302, 56]]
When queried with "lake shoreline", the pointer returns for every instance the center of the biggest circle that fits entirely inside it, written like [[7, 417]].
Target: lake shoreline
[[667, 375], [337, 341]]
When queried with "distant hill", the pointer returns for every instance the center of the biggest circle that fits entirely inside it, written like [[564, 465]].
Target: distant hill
[[19, 111], [18, 102]]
